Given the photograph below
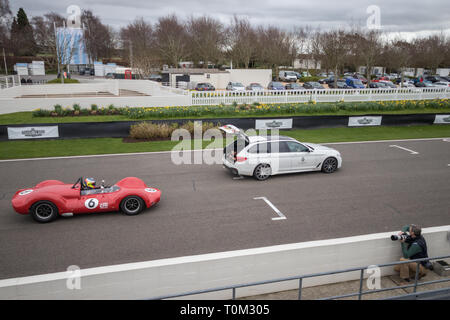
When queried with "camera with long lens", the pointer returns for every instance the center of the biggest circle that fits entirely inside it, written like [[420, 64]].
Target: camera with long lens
[[403, 236]]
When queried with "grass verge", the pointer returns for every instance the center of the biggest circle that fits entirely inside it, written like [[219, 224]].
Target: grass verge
[[74, 147], [27, 117]]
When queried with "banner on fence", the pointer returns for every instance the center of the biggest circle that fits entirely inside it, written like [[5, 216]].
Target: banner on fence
[[273, 124], [442, 119], [32, 132], [364, 121]]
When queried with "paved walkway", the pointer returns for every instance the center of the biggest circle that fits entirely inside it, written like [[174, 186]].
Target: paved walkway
[[348, 287]]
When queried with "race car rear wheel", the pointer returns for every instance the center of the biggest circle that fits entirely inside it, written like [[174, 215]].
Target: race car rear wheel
[[44, 211], [132, 205]]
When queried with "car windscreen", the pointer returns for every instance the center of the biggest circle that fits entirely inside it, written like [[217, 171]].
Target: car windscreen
[[277, 84], [357, 81]]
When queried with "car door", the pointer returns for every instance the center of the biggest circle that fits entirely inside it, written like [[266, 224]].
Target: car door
[[280, 157], [302, 158], [92, 201]]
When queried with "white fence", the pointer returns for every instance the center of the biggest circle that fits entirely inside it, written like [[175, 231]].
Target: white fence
[[154, 94], [327, 95]]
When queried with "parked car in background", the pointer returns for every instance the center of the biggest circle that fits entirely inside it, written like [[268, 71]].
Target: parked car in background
[[405, 79], [204, 86], [383, 78], [109, 75], [446, 78], [294, 86], [297, 74], [406, 84], [425, 84], [255, 87], [340, 84], [235, 86], [442, 84], [378, 85], [389, 84], [354, 83], [155, 77], [275, 85], [313, 85], [287, 76], [392, 76], [360, 77], [327, 80], [433, 79]]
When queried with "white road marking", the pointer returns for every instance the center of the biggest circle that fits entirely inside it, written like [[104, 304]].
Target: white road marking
[[411, 151], [281, 216], [446, 140]]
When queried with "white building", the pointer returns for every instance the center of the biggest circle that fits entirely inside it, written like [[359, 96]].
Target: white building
[[218, 78], [307, 64]]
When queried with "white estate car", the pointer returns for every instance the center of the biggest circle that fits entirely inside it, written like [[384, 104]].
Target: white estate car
[[263, 156]]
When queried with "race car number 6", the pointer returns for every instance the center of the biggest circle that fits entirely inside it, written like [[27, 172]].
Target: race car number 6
[[91, 203]]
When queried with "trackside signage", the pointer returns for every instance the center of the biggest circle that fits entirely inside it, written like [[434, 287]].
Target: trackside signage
[[442, 119], [32, 132], [364, 121], [273, 124]]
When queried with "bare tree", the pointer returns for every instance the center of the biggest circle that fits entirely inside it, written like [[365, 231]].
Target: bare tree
[[367, 47], [139, 45], [334, 45], [274, 47], [98, 37], [398, 55], [241, 41], [171, 39], [206, 40], [302, 43], [431, 51]]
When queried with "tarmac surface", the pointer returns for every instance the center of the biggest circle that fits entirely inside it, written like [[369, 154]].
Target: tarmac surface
[[380, 188]]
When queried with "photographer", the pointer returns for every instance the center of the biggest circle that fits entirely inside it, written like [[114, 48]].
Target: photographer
[[414, 246]]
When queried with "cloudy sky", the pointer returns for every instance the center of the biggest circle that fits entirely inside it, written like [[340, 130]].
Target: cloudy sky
[[407, 18]]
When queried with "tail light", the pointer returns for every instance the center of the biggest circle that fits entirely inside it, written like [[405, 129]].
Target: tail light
[[241, 159]]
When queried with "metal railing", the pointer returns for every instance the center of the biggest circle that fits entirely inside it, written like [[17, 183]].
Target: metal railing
[[300, 278]]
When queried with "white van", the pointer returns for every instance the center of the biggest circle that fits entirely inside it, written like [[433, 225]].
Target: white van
[[287, 76]]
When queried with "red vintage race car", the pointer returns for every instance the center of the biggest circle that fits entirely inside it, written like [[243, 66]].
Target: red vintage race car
[[51, 198]]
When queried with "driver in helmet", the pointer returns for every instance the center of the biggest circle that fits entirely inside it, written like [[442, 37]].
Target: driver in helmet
[[89, 183]]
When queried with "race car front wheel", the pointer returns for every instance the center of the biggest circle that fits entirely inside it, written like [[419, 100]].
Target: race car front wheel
[[132, 205], [44, 211]]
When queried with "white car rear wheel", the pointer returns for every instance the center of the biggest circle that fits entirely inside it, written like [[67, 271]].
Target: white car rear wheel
[[262, 172]]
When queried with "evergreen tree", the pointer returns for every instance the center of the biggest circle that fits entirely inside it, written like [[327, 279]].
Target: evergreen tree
[[22, 38]]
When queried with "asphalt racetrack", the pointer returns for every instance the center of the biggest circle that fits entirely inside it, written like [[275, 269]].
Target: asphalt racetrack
[[380, 188]]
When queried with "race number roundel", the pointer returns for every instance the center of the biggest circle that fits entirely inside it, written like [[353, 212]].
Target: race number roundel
[[91, 203]]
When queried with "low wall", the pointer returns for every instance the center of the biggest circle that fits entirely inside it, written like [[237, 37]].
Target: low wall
[[121, 129], [68, 88], [163, 277]]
